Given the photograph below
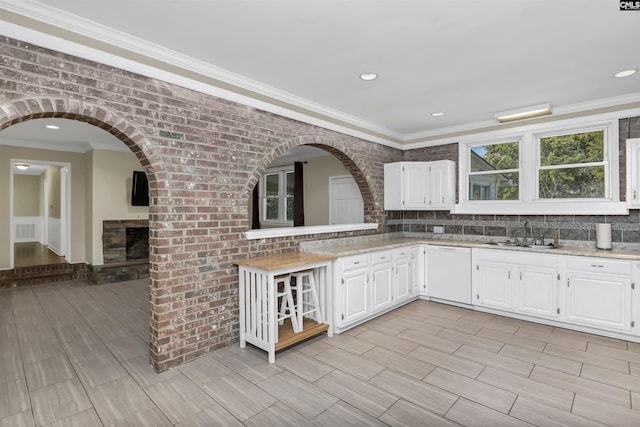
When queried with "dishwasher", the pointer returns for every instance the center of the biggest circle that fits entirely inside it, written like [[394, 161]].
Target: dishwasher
[[449, 274]]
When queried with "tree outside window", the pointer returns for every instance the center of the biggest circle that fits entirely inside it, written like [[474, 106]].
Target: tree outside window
[[494, 171], [572, 166]]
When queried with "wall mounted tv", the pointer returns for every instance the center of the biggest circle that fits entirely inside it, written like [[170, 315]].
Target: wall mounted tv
[[139, 189]]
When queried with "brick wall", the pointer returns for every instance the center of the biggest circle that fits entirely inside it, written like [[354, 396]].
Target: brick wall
[[203, 156]]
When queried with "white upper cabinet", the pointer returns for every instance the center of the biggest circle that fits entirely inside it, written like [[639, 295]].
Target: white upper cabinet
[[633, 172], [419, 185]]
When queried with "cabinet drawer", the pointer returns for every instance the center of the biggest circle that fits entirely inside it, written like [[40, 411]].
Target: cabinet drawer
[[355, 261], [381, 257], [599, 265], [402, 252]]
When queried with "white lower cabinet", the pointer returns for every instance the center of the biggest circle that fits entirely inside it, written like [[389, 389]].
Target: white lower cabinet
[[592, 294], [369, 284], [404, 274], [520, 282], [382, 282], [354, 296], [419, 273], [599, 293], [537, 292], [494, 285]]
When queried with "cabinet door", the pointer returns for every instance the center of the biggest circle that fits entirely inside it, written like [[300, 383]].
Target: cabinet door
[[354, 297], [599, 301], [419, 273], [381, 286], [633, 172], [403, 278], [538, 292], [438, 183], [494, 286], [415, 185]]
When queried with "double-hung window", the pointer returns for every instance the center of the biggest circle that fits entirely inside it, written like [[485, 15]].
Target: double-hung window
[[572, 166], [494, 171], [277, 196], [568, 167]]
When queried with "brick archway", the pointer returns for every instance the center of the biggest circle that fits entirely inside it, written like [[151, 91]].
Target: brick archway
[[357, 168], [22, 110]]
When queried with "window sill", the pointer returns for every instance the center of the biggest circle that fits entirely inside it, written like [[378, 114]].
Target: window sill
[[269, 233], [557, 207]]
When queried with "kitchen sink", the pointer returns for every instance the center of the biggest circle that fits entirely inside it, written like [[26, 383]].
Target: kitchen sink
[[521, 245]]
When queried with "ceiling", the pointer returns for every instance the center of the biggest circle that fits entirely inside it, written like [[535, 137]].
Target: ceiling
[[302, 58]]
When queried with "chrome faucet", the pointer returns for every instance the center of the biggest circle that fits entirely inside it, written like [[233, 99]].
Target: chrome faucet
[[524, 232]]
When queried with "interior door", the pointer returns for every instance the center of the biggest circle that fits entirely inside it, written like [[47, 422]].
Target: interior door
[[347, 206]]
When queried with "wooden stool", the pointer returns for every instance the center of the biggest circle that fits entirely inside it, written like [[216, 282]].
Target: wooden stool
[[308, 303], [287, 306]]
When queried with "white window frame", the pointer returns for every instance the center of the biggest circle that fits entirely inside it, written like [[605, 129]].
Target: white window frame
[[282, 197], [529, 201], [605, 161]]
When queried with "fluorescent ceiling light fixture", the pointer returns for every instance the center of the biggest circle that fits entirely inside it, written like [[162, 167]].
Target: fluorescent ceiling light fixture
[[54, 127], [21, 166], [368, 76], [437, 114], [625, 73], [524, 113]]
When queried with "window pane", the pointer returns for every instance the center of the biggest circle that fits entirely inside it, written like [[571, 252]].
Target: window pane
[[495, 157], [571, 149], [573, 183], [495, 186], [289, 208], [271, 212], [290, 180], [271, 184]]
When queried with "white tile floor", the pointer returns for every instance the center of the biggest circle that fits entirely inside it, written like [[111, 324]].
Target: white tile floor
[[74, 354]]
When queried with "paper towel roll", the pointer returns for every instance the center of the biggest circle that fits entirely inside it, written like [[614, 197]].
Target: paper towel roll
[[603, 236]]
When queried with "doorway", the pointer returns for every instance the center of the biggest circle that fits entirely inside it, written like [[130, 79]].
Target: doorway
[[39, 206]]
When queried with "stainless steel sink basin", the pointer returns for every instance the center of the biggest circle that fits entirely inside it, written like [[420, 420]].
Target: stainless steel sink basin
[[520, 245]]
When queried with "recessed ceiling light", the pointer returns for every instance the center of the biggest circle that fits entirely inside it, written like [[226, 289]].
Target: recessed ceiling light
[[625, 73], [368, 76], [21, 166], [437, 114], [54, 127]]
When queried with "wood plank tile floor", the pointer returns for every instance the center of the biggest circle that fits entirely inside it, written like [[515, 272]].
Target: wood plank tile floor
[[75, 354]]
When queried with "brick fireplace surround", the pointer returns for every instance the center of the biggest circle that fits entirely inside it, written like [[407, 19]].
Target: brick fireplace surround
[[203, 156]]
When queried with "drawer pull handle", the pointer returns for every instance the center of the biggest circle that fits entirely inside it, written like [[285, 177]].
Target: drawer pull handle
[[597, 265], [356, 262], [383, 257]]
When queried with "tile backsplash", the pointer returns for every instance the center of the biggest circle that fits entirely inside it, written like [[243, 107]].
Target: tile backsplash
[[625, 228]]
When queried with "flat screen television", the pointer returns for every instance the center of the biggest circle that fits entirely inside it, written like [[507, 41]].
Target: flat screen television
[[139, 189]]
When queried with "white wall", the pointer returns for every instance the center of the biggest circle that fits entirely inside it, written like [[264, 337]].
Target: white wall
[[26, 195], [111, 173]]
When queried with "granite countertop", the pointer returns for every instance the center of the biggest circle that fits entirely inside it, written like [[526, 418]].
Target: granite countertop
[[355, 245]]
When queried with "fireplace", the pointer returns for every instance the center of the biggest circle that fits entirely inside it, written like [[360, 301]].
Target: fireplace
[[137, 243], [125, 241], [125, 249]]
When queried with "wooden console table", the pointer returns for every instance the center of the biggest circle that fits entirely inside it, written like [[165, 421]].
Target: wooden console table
[[258, 306]]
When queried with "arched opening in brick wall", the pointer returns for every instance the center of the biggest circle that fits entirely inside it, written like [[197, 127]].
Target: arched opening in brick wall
[[31, 109], [340, 155]]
